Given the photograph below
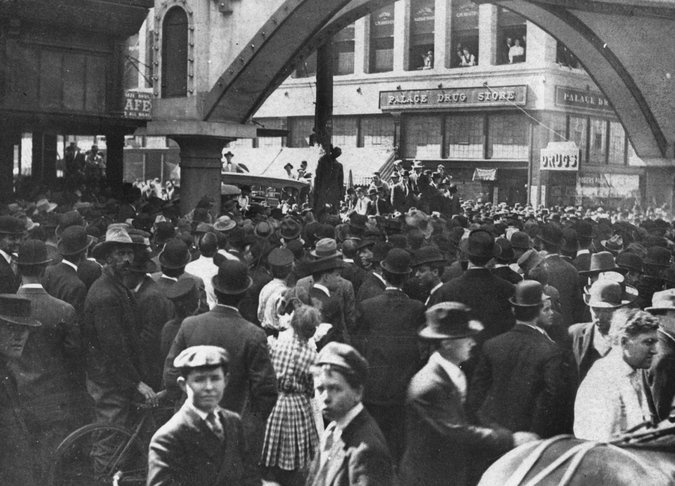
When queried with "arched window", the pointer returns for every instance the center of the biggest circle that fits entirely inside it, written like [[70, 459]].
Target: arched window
[[174, 53]]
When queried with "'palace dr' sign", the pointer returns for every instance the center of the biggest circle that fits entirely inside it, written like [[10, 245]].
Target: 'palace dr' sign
[[417, 99]]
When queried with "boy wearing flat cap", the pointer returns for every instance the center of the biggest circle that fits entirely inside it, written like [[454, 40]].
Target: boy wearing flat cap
[[353, 449], [202, 444]]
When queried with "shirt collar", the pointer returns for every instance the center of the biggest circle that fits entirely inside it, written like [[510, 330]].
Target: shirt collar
[[380, 277], [32, 286], [438, 286], [227, 307], [348, 260], [342, 423], [202, 414], [70, 264], [6, 256], [583, 251], [623, 368], [536, 328], [456, 375], [170, 278], [323, 288]]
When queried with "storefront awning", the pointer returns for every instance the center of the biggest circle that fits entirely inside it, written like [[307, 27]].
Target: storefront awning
[[485, 175]]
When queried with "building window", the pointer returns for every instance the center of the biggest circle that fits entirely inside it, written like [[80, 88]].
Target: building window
[[174, 53], [508, 137], [306, 68], [382, 39], [465, 136], [422, 137], [512, 37], [464, 31], [300, 130], [271, 123], [565, 57], [422, 34], [597, 149], [343, 51], [345, 131], [617, 144], [578, 133], [556, 127], [377, 131]]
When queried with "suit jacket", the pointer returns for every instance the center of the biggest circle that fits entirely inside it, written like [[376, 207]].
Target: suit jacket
[[110, 334], [582, 262], [185, 452], [371, 287], [662, 376], [47, 372], [507, 274], [9, 281], [440, 442], [582, 347], [360, 457], [164, 284], [89, 271], [344, 293], [61, 281], [354, 274], [387, 338], [252, 387], [523, 382], [486, 295], [563, 276], [154, 310], [400, 197]]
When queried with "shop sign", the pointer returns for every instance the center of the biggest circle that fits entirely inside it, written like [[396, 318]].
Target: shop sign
[[452, 98], [485, 175], [560, 156], [608, 185], [589, 100], [137, 105]]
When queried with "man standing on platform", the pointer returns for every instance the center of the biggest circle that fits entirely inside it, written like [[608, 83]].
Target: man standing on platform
[[328, 182]]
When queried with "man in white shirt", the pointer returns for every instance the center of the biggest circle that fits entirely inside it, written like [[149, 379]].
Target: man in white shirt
[[361, 202], [280, 261], [429, 265], [613, 397]]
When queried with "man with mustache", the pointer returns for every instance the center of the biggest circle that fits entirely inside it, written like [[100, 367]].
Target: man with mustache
[[115, 369]]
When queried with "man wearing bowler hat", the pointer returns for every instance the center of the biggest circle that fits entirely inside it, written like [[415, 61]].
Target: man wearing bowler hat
[[49, 372], [523, 381], [172, 260], [252, 387], [590, 340], [62, 280], [12, 231], [441, 443], [18, 464], [387, 338], [480, 290], [662, 370], [115, 366], [429, 265], [352, 448], [324, 285]]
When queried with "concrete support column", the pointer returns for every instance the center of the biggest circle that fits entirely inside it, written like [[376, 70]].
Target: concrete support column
[[323, 111], [362, 45], [8, 139], [442, 49], [114, 170], [44, 156], [397, 135], [487, 41], [401, 35], [200, 168], [541, 47]]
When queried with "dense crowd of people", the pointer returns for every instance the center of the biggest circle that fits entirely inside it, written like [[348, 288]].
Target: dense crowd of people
[[399, 337]]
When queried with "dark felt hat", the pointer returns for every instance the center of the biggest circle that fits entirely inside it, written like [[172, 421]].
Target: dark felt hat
[[142, 262], [232, 278], [481, 244], [16, 310], [280, 257], [629, 261], [35, 252], [551, 234], [344, 359], [428, 255], [601, 262], [71, 218], [185, 287], [397, 262], [74, 239], [506, 253], [449, 320], [289, 229], [613, 244], [175, 254], [528, 294], [9, 225], [380, 250], [657, 256]]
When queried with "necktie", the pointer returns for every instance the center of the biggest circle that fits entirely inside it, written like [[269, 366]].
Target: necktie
[[214, 424], [328, 443]]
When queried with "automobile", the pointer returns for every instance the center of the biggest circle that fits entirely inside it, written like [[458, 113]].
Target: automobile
[[264, 189]]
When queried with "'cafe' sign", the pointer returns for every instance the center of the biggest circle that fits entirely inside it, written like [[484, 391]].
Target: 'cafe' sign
[[560, 156]]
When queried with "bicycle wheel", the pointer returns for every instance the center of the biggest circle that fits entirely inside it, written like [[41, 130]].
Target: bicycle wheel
[[123, 463]]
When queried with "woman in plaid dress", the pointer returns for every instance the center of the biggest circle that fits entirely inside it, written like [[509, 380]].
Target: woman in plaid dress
[[291, 437]]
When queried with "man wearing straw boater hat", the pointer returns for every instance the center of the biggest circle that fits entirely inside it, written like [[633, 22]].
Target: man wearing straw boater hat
[[440, 441], [115, 371], [523, 380], [50, 376], [17, 461]]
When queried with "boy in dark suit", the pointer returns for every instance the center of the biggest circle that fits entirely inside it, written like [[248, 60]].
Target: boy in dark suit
[[353, 449], [202, 444]]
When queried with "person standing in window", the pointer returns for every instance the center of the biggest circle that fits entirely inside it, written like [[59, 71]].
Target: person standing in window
[[467, 59], [516, 52]]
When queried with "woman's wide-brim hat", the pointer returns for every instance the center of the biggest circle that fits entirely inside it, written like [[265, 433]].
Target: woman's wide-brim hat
[[116, 235], [449, 320]]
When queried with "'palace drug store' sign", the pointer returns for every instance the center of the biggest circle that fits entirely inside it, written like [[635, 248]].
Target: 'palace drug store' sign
[[452, 98]]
